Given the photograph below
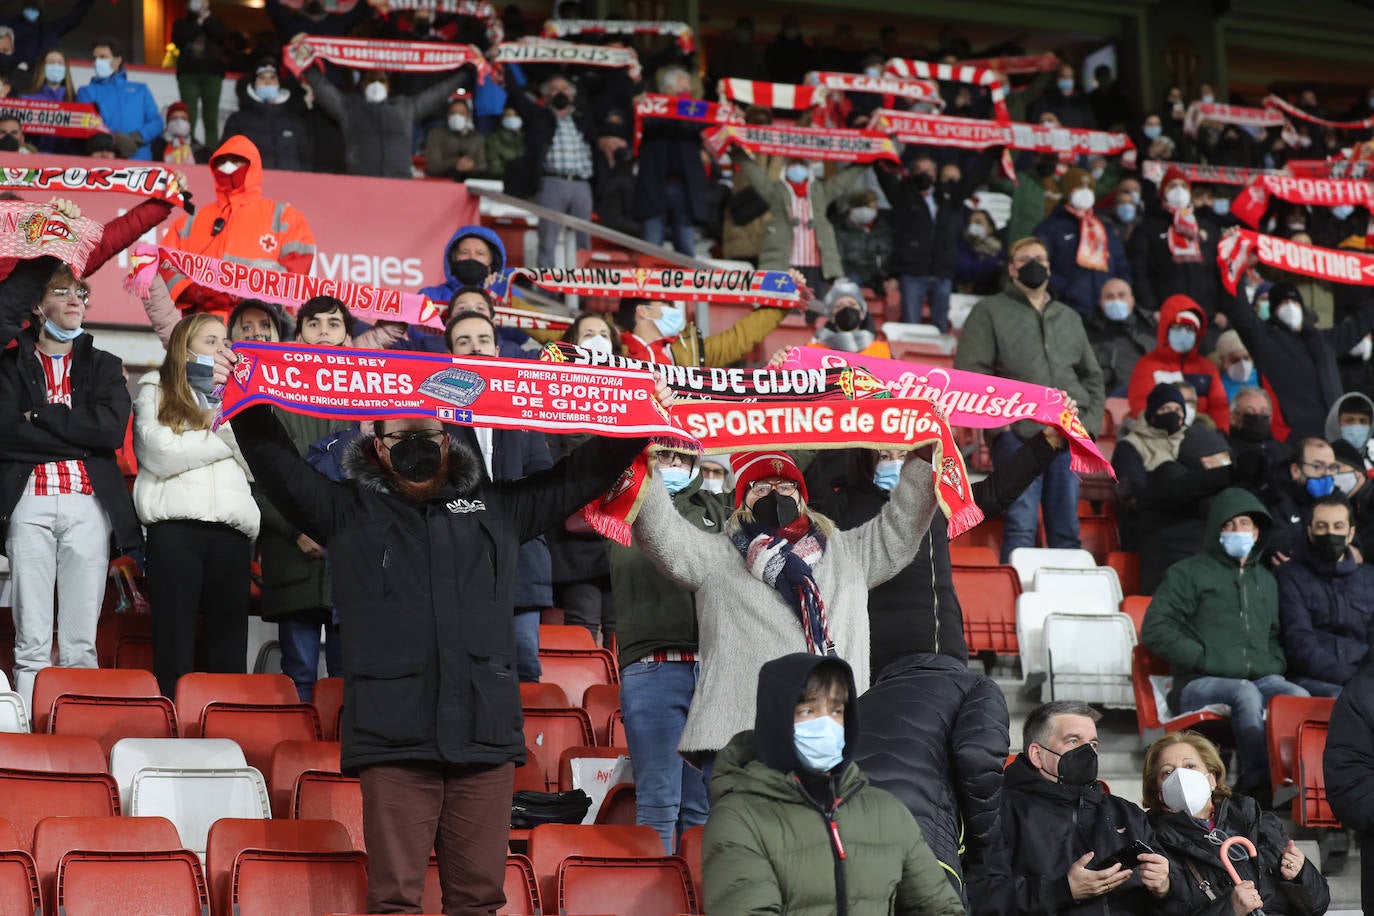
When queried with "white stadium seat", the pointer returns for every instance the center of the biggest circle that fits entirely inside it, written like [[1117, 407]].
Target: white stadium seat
[[1089, 659], [1100, 582], [1027, 560], [129, 755], [1031, 610], [195, 799]]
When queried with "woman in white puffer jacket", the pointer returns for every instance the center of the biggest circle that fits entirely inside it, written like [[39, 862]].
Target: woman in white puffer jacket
[[193, 494]]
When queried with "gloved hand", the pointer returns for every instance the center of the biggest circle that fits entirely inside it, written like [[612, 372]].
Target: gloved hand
[[127, 144]]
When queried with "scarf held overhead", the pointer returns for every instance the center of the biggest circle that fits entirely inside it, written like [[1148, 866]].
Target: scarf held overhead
[[653, 105], [377, 54], [144, 180], [1292, 111], [562, 28], [246, 281], [1018, 65], [49, 118], [973, 133], [774, 288], [33, 230], [1199, 112], [1250, 204], [567, 54], [927, 91], [1236, 249], [1153, 170], [956, 73], [970, 398], [770, 95], [849, 146]]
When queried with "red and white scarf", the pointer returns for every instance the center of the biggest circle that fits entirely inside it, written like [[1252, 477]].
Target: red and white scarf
[[834, 144], [956, 73], [1018, 65], [975, 133], [1292, 111], [562, 28], [1183, 235], [377, 54], [31, 230], [925, 91], [1250, 204], [1153, 170], [770, 95], [1229, 114], [773, 288], [1346, 267], [50, 118], [1092, 240], [58, 478], [144, 180]]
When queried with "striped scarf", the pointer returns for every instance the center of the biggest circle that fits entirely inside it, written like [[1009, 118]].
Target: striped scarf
[[784, 559]]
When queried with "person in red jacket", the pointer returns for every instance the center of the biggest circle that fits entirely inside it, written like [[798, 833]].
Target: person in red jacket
[[1182, 325]]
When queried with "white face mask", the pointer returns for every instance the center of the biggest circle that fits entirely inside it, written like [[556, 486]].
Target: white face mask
[[228, 167], [1189, 415], [977, 231], [597, 344], [1240, 370], [1187, 791], [375, 93], [179, 128], [1362, 350], [863, 215], [512, 123], [458, 122], [713, 484], [1082, 199], [1179, 197], [1290, 313]]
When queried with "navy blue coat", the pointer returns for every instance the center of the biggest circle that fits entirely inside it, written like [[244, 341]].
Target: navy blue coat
[[1078, 287], [1326, 615]]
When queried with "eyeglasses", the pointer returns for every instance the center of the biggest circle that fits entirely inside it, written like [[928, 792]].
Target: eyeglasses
[[1322, 469], [62, 292], [394, 439], [673, 459], [764, 487]]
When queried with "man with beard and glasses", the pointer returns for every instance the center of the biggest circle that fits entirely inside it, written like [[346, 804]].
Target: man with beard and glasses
[[423, 551], [1062, 828]]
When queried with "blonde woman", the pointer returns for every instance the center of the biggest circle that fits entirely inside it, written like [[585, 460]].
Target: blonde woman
[[193, 495], [1193, 812]]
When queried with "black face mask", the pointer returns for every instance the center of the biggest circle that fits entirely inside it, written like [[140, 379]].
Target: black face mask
[[1254, 427], [1077, 767], [1033, 275], [923, 181], [560, 101], [9, 144], [1329, 547], [416, 458], [848, 319], [1168, 423], [948, 188], [773, 511], [470, 271]]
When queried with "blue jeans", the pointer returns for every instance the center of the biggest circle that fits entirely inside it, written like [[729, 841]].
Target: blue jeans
[[1318, 688], [1248, 701], [917, 290], [670, 793], [299, 639], [676, 213], [527, 649], [1055, 491]]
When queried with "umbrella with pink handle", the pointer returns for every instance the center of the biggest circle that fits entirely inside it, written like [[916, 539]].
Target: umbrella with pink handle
[[1226, 863]]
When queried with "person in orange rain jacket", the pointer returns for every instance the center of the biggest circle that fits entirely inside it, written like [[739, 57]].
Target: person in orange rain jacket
[[241, 226], [1182, 325]]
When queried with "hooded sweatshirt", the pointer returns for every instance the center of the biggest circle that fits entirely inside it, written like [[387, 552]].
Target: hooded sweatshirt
[[1214, 615], [253, 230], [510, 341], [1358, 402], [1164, 365], [784, 839]]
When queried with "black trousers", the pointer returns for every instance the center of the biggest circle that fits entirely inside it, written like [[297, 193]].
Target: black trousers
[[197, 568]]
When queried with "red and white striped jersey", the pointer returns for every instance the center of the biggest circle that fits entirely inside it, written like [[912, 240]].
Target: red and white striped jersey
[[58, 478], [805, 251]]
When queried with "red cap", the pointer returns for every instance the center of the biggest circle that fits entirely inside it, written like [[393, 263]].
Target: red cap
[[1174, 173], [752, 466], [178, 107]]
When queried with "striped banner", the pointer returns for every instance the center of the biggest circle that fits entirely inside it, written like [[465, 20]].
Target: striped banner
[[770, 95], [956, 73], [925, 91], [561, 28]]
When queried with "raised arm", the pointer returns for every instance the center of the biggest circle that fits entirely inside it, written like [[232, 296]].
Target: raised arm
[[163, 313], [433, 100], [684, 553], [123, 231], [330, 99], [735, 342], [545, 499], [887, 543]]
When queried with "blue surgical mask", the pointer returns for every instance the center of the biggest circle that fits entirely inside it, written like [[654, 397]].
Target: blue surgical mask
[[1342, 211], [1065, 86], [886, 473], [873, 72], [1221, 206], [1125, 212], [1357, 434], [1263, 310], [104, 67], [1152, 131], [1238, 544], [671, 321], [31, 13], [819, 743], [268, 92], [54, 73], [798, 173], [1317, 487], [1116, 309], [1182, 340], [675, 479], [61, 334]]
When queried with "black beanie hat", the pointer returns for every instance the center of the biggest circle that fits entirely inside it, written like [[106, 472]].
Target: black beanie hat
[[1162, 394]]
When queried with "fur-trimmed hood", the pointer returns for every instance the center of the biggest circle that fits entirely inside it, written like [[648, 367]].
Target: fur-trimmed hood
[[466, 470]]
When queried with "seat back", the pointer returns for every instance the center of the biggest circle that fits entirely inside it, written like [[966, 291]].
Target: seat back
[[551, 731], [1127, 566], [27, 797], [987, 595], [231, 836], [540, 693], [553, 636], [577, 669], [689, 847], [54, 837], [658, 886], [530, 776], [51, 683], [550, 844], [292, 758], [1312, 808], [51, 753], [1152, 716], [1098, 535], [522, 890], [19, 889], [620, 806], [1028, 559], [331, 796], [328, 702], [109, 719], [129, 755], [1089, 658], [972, 556], [13, 716], [166, 882], [292, 883], [1281, 723], [258, 729], [124, 641], [1098, 583], [1134, 607], [194, 800], [601, 701], [197, 690], [1031, 610]]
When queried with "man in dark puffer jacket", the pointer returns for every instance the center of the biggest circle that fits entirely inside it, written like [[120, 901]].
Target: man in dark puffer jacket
[[935, 735], [1348, 765]]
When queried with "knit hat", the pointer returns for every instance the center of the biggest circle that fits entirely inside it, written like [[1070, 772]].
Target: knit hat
[[752, 466], [1280, 292], [1162, 394], [844, 288], [1075, 178], [1188, 317], [1229, 342], [1172, 174], [1199, 443], [178, 107]]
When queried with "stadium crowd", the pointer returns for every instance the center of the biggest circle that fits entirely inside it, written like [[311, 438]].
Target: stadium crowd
[[792, 662]]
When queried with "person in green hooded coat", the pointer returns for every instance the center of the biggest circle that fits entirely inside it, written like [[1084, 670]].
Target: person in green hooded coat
[[796, 829]]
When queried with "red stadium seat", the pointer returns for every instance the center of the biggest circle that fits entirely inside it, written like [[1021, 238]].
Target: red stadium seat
[[616, 734], [689, 847], [27, 797], [196, 691], [972, 556], [988, 596], [542, 694], [1281, 722], [1127, 566], [19, 889], [294, 883], [124, 641], [550, 731], [658, 886], [50, 684], [619, 806], [577, 669], [51, 753], [259, 729], [987, 533], [328, 701], [1311, 808], [522, 890], [601, 702], [530, 777], [54, 837], [108, 719], [1144, 664], [565, 637], [231, 836], [1099, 536], [1134, 607], [9, 838], [168, 883], [334, 797], [289, 760], [550, 844]]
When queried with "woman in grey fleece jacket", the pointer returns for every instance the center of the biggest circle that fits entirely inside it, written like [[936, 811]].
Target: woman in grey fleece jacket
[[745, 622]]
